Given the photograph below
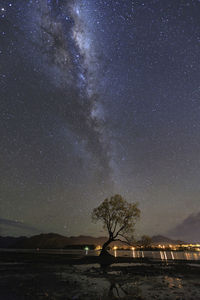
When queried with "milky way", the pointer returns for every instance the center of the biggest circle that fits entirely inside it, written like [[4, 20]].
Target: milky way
[[98, 97], [70, 60]]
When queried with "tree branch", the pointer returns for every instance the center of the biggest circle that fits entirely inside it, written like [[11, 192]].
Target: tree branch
[[120, 230], [126, 242]]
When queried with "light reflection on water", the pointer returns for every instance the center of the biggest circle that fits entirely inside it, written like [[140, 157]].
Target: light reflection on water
[[163, 255], [115, 253], [173, 282]]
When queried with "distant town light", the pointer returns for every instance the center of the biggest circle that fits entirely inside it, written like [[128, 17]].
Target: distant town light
[[98, 247]]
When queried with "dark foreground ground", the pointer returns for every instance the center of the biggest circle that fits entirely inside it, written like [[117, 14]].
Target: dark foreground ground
[[50, 276]]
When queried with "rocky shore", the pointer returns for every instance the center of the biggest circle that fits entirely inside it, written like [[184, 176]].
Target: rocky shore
[[45, 276]]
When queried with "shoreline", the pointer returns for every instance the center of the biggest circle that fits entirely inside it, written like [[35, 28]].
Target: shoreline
[[39, 276], [73, 259]]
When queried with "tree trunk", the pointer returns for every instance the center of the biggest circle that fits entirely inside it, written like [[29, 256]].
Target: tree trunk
[[105, 258], [105, 245]]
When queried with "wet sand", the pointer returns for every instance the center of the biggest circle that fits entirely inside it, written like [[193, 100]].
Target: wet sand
[[42, 276]]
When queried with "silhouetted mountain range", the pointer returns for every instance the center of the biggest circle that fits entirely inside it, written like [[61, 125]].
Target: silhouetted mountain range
[[49, 241], [57, 241], [160, 239]]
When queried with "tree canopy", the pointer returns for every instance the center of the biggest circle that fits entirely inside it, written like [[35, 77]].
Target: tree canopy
[[118, 217]]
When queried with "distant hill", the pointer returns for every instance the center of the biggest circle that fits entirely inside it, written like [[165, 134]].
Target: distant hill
[[57, 241], [49, 241], [160, 239], [43, 241]]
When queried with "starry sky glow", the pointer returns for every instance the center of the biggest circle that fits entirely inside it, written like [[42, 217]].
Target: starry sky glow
[[98, 97]]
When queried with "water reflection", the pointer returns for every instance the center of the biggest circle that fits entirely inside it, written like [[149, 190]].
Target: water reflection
[[86, 250], [173, 282], [192, 256], [115, 291], [122, 291], [134, 255], [115, 253], [163, 255]]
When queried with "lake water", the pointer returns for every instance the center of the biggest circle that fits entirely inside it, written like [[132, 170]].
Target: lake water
[[163, 255]]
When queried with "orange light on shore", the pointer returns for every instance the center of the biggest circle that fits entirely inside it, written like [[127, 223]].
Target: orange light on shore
[[98, 247]]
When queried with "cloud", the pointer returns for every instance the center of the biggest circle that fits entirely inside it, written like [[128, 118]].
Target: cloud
[[188, 229], [7, 224]]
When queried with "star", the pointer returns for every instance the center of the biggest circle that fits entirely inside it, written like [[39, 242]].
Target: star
[[97, 98]]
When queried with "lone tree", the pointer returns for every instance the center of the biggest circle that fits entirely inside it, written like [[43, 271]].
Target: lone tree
[[145, 241], [118, 217]]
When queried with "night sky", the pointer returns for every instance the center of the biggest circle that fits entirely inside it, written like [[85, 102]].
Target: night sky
[[98, 97]]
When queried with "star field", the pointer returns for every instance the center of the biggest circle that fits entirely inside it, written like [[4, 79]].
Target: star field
[[98, 97]]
